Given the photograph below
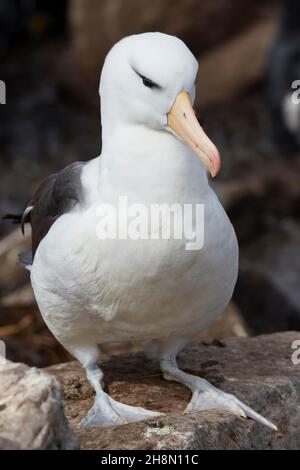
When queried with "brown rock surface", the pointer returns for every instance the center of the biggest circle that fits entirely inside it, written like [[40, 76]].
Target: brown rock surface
[[31, 414], [258, 370]]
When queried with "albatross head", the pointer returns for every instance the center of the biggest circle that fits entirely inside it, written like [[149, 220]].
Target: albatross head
[[149, 79]]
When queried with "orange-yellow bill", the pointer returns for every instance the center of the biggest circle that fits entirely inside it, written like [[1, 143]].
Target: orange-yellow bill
[[182, 120]]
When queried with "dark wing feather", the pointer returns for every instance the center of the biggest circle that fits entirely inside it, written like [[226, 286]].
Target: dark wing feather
[[44, 211], [56, 195]]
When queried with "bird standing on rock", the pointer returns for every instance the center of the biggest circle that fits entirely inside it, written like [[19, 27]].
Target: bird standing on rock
[[93, 293]]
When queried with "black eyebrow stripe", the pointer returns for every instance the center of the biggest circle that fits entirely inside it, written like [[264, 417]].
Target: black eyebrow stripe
[[155, 85]]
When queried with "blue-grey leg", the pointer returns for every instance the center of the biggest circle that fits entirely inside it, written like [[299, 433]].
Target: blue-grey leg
[[108, 412], [105, 411]]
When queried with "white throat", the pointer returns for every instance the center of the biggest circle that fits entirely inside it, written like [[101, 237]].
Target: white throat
[[154, 166]]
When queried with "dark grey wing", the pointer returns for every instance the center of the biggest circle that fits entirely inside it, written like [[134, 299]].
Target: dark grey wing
[[56, 195]]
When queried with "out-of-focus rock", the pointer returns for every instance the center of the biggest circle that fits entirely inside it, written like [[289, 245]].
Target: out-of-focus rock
[[233, 67], [275, 184], [258, 370], [31, 413], [95, 26], [268, 287], [264, 209], [27, 338], [21, 297], [12, 274]]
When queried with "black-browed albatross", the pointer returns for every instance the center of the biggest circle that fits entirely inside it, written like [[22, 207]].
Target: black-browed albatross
[[93, 293]]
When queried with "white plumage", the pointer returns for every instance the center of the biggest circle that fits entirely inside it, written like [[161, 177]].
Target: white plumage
[[95, 293]]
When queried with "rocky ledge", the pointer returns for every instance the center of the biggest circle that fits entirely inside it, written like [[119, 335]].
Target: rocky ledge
[[31, 412], [259, 370]]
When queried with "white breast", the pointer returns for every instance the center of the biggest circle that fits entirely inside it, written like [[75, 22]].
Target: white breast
[[123, 290]]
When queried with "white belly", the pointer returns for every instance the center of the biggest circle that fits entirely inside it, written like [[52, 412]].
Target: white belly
[[111, 291]]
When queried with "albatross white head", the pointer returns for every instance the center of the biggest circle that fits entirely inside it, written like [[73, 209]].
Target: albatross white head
[[149, 80]]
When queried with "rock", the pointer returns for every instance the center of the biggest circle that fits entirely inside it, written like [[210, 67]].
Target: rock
[[258, 370], [268, 286], [10, 247], [21, 297], [31, 414], [276, 188], [27, 338], [242, 61], [96, 26], [263, 206]]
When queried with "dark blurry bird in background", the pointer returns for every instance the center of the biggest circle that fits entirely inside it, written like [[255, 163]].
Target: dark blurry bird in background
[[283, 71]]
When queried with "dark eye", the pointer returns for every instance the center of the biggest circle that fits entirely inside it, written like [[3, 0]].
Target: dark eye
[[148, 83]]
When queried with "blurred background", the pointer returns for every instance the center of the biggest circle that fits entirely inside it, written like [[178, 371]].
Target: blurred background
[[51, 55]]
